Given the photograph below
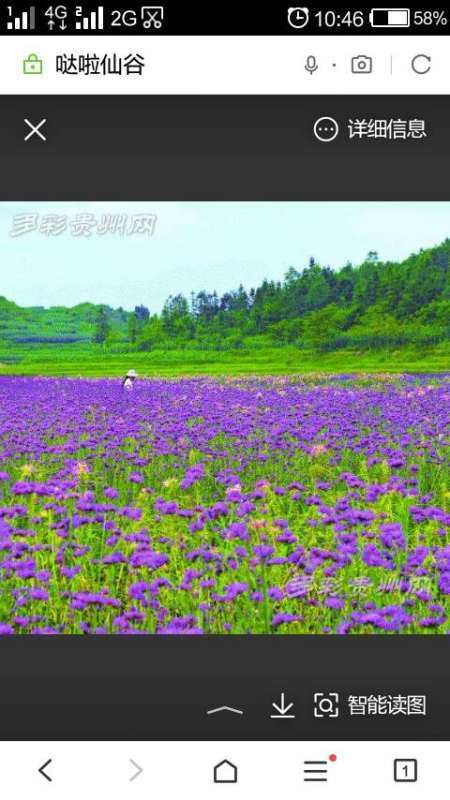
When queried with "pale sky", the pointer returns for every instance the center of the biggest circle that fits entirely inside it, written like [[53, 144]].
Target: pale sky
[[202, 246]]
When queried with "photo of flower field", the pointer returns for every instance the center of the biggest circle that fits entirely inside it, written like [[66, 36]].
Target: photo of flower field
[[280, 463]]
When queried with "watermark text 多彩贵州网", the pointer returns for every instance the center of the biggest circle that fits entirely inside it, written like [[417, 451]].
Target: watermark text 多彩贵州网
[[83, 226]]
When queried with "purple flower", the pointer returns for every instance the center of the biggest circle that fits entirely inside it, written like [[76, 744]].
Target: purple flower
[[136, 477], [6, 630], [319, 493], [283, 619], [70, 572], [148, 559], [392, 536], [336, 603], [263, 552]]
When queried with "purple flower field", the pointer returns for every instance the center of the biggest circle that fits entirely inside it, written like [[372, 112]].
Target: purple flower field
[[192, 506]]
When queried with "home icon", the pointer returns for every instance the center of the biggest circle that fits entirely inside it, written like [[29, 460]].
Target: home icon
[[225, 772]]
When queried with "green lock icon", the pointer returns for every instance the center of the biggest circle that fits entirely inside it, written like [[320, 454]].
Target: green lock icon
[[33, 65]]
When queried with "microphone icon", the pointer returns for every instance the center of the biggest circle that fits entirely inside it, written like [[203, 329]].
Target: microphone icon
[[311, 64]]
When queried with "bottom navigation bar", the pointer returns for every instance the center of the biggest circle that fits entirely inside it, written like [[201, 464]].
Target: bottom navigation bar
[[171, 769]]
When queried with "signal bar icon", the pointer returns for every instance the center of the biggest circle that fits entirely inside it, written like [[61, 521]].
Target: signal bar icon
[[25, 22], [93, 22]]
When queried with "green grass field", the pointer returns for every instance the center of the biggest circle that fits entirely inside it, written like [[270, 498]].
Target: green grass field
[[92, 361]]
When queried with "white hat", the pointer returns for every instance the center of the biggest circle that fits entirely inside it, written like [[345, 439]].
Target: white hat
[[132, 373]]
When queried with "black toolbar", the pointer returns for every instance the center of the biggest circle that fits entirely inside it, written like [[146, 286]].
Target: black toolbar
[[240, 688], [190, 19]]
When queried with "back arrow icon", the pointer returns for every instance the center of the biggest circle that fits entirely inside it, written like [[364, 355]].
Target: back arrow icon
[[43, 772], [137, 768], [283, 710]]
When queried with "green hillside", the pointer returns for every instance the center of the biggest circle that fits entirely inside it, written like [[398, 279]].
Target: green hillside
[[382, 313], [57, 324]]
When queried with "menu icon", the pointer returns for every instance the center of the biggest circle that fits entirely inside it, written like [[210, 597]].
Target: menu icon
[[317, 771]]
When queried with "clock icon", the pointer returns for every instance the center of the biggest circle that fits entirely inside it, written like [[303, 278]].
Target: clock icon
[[298, 17]]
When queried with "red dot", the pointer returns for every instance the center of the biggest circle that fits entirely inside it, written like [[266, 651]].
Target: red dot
[[332, 757]]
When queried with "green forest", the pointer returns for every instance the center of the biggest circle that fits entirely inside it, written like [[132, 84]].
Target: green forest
[[398, 310]]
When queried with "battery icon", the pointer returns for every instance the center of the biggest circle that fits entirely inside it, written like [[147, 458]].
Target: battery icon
[[390, 17]]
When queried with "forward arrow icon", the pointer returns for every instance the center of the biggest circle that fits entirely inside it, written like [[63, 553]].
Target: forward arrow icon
[[137, 770]]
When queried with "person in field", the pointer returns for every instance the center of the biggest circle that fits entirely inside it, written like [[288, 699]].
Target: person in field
[[129, 379]]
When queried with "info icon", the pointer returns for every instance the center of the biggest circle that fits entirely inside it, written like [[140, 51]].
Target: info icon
[[326, 129]]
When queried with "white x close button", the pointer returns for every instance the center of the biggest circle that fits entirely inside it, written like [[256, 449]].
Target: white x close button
[[35, 130]]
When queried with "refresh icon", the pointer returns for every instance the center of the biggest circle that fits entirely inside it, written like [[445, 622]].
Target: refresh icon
[[421, 64]]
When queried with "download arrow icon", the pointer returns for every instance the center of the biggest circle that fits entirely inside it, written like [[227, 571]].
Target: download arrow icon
[[282, 709]]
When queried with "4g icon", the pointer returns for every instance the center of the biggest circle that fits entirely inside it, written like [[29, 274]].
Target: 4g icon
[[57, 15]]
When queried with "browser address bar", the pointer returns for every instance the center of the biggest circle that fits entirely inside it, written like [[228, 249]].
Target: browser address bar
[[225, 65]]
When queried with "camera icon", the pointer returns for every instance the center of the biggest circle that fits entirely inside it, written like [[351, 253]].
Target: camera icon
[[326, 705], [362, 65]]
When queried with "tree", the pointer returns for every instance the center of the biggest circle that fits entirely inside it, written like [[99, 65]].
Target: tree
[[132, 328], [142, 313], [102, 326], [318, 290], [152, 334], [322, 325], [358, 305], [177, 320]]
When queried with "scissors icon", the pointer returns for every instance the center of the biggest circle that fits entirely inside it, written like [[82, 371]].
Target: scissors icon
[[152, 16]]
